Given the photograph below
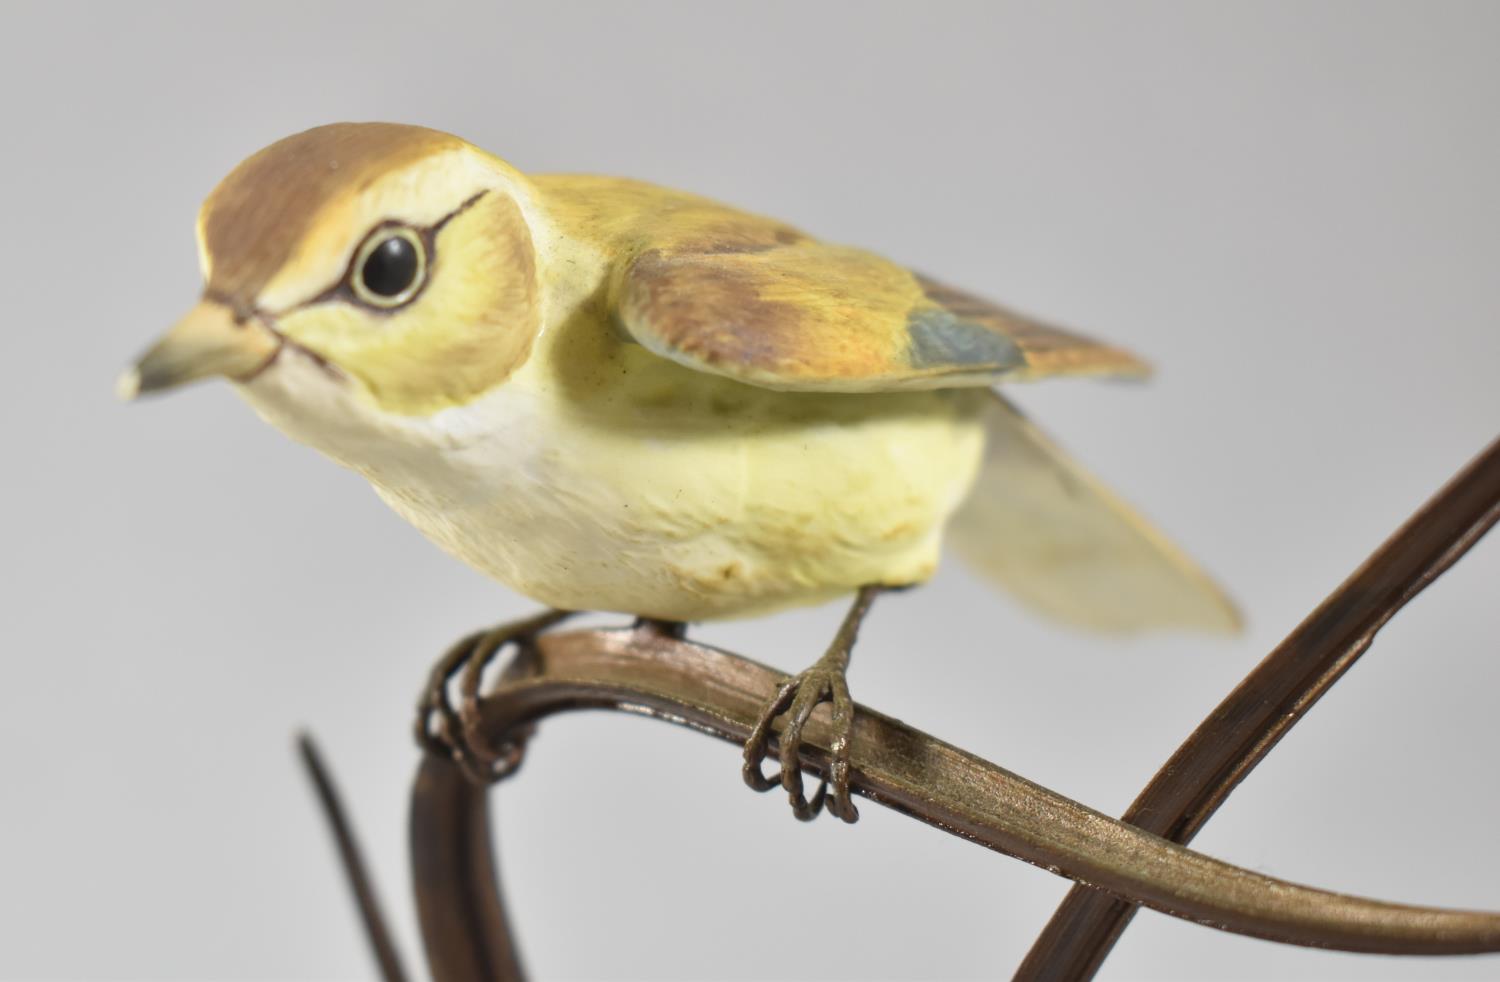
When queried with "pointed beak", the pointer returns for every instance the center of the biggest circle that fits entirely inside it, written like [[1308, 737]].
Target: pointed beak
[[208, 341]]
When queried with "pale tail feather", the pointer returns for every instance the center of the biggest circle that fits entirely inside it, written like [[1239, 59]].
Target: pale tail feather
[[1053, 536]]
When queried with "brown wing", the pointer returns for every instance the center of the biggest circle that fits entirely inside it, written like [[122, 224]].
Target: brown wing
[[774, 308]]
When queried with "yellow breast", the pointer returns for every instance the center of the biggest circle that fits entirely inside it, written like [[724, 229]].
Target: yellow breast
[[618, 480]]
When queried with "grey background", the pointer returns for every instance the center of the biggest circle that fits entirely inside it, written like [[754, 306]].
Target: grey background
[[1291, 208]]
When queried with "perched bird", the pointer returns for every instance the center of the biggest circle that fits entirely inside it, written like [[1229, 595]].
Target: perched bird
[[614, 396]]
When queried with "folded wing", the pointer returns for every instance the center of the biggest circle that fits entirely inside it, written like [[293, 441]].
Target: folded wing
[[767, 305]]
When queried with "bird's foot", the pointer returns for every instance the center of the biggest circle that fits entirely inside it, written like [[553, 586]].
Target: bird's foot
[[825, 681], [456, 731], [798, 696]]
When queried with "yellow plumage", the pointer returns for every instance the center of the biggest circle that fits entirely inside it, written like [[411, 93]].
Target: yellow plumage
[[609, 395], [627, 482], [612, 395]]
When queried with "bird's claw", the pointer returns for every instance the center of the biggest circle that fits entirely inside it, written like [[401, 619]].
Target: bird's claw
[[457, 731], [797, 697]]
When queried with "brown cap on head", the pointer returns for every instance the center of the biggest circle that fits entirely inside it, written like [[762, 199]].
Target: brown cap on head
[[257, 215]]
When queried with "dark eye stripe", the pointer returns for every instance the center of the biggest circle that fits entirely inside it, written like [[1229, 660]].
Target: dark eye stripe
[[353, 288]]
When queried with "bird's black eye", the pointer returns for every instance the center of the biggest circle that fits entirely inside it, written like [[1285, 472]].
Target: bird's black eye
[[389, 268]]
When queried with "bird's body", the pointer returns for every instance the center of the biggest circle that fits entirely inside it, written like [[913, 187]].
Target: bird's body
[[641, 486], [675, 495], [611, 395], [603, 476]]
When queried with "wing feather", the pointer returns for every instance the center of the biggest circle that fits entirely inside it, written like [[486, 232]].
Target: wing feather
[[764, 304], [1043, 528]]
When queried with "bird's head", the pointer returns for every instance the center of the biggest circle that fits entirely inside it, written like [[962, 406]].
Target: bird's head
[[391, 265]]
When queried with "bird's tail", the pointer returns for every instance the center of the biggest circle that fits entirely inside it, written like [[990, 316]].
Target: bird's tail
[[1049, 533]]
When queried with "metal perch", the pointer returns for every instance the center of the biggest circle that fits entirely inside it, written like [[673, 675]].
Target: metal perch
[[1243, 728], [1122, 865]]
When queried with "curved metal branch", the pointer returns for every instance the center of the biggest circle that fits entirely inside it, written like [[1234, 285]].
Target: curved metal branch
[[464, 928], [1239, 733], [718, 693], [721, 694], [356, 872]]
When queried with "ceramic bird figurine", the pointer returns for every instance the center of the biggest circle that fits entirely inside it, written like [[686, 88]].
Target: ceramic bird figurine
[[614, 396]]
